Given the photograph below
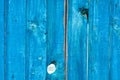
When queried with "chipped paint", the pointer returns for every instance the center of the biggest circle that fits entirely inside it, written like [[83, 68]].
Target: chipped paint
[[33, 26], [77, 18]]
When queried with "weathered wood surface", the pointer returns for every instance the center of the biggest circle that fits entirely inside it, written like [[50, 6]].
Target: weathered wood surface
[[15, 40], [99, 40], [80, 37], [36, 39], [2, 40], [115, 39], [32, 37], [77, 39], [55, 38]]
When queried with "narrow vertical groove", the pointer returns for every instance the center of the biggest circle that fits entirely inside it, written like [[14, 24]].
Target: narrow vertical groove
[[25, 38], [110, 41], [5, 37], [26, 44], [46, 36], [65, 36], [87, 53]]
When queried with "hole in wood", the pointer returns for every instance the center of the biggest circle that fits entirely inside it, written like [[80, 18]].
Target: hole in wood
[[84, 11], [51, 68]]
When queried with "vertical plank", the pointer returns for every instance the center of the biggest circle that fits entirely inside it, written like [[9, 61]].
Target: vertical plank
[[36, 40], [99, 40], [55, 38], [2, 40], [15, 40], [77, 39], [115, 39]]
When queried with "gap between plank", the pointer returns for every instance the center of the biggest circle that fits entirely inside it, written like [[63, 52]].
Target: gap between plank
[[65, 36]]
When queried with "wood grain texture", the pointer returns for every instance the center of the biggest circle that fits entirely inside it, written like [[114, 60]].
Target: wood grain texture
[[80, 37], [2, 40], [115, 39], [15, 40], [55, 38], [77, 39], [36, 40], [99, 45]]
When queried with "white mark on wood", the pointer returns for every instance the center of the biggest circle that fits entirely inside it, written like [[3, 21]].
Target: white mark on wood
[[77, 20], [44, 37], [51, 68], [116, 27], [40, 58], [32, 26]]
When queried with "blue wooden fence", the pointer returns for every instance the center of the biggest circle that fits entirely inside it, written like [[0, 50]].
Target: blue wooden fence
[[59, 39]]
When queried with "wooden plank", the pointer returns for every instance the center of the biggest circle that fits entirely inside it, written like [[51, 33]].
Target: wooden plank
[[36, 40], [99, 40], [115, 39], [15, 54], [77, 39], [2, 40], [55, 38]]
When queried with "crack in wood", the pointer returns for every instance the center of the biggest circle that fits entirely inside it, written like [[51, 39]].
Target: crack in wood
[[65, 35]]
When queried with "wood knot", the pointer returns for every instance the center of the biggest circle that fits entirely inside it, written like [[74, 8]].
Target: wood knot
[[84, 11]]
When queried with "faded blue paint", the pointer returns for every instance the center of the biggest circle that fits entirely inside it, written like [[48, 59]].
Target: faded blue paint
[[36, 40], [2, 40], [15, 38], [55, 38], [115, 39], [32, 37], [77, 40], [99, 40]]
